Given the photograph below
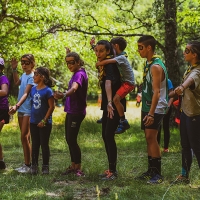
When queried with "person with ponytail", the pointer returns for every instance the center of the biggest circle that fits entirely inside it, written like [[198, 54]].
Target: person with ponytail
[[189, 89], [42, 107]]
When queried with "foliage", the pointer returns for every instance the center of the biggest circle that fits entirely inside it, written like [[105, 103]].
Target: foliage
[[132, 160]]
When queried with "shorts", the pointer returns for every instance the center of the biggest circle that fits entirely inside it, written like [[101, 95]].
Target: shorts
[[21, 114], [157, 121], [125, 88], [4, 116]]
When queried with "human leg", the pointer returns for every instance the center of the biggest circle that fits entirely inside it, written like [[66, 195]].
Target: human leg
[[24, 124]]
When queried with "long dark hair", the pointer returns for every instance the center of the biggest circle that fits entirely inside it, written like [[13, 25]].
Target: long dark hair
[[46, 73], [195, 48]]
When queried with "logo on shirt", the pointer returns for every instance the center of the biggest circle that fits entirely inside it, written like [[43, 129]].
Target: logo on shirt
[[36, 101]]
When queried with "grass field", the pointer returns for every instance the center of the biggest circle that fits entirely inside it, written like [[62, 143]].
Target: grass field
[[132, 160]]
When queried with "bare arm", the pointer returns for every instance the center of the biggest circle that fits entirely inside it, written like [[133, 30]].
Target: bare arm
[[14, 64], [105, 62], [60, 95], [51, 103], [108, 89], [179, 90], [13, 109], [4, 90]]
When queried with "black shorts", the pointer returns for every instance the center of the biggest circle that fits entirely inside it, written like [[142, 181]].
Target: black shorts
[[157, 121], [4, 115]]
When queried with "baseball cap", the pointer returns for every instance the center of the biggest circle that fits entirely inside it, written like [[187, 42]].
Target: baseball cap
[[1, 61]]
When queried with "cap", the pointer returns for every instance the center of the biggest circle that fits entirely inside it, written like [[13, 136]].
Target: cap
[[1, 61]]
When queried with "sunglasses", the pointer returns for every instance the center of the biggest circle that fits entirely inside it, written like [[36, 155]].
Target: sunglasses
[[187, 51], [140, 47], [71, 62], [37, 74], [25, 62]]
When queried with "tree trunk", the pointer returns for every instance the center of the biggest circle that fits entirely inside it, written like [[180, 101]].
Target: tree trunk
[[171, 50]]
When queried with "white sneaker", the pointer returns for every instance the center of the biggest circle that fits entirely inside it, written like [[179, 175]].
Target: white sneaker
[[23, 169]]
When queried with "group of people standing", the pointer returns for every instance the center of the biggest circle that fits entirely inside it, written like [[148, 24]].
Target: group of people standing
[[116, 79]]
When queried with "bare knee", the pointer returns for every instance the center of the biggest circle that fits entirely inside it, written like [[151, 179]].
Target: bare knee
[[116, 99]]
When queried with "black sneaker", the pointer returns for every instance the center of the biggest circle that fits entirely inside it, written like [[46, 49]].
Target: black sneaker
[[181, 180], [33, 169], [123, 126], [156, 179], [45, 169], [145, 176], [110, 176], [2, 164], [99, 121], [104, 174]]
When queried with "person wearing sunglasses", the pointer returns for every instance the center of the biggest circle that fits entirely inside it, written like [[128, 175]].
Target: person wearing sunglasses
[[75, 107], [154, 106], [189, 89], [23, 106]]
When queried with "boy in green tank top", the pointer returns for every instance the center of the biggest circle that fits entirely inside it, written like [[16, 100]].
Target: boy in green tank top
[[154, 105]]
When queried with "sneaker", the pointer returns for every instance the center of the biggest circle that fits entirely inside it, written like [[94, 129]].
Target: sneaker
[[99, 121], [106, 172], [157, 179], [79, 173], [2, 164], [69, 170], [145, 176], [45, 169], [182, 180], [110, 176], [23, 169], [33, 169], [165, 150], [123, 125]]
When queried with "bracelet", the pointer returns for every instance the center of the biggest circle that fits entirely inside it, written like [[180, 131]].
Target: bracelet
[[17, 106], [150, 116], [14, 70], [182, 86], [64, 95], [43, 121], [110, 101]]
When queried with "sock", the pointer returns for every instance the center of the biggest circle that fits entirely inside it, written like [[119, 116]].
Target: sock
[[112, 167], [184, 172], [149, 163], [122, 118], [156, 165], [28, 165]]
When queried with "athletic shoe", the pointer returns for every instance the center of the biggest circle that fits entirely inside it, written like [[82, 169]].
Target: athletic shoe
[[2, 164], [45, 169], [122, 127], [99, 121], [145, 176], [33, 169], [23, 169], [165, 150], [69, 170], [110, 176], [157, 179], [79, 173], [106, 172], [182, 180]]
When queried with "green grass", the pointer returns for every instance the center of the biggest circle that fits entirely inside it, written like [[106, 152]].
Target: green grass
[[132, 160]]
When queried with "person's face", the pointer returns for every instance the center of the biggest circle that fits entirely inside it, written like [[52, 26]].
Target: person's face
[[142, 50], [37, 77], [72, 65], [101, 52], [27, 65], [189, 56]]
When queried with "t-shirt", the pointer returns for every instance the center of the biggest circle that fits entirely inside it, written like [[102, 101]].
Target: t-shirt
[[39, 104], [111, 73], [76, 103], [125, 69], [170, 85], [25, 80], [4, 100], [191, 96]]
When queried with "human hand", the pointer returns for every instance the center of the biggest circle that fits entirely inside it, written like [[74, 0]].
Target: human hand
[[110, 110], [12, 110], [41, 124], [148, 120], [67, 50], [58, 95], [179, 90], [14, 63]]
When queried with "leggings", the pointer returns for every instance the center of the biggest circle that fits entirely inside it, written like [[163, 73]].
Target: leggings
[[109, 127], [72, 126], [190, 139], [40, 137]]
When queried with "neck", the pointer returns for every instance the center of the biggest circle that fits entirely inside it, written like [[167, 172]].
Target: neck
[[41, 85], [149, 56], [194, 62]]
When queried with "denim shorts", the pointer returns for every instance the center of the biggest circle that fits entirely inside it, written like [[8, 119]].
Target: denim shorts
[[21, 114]]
